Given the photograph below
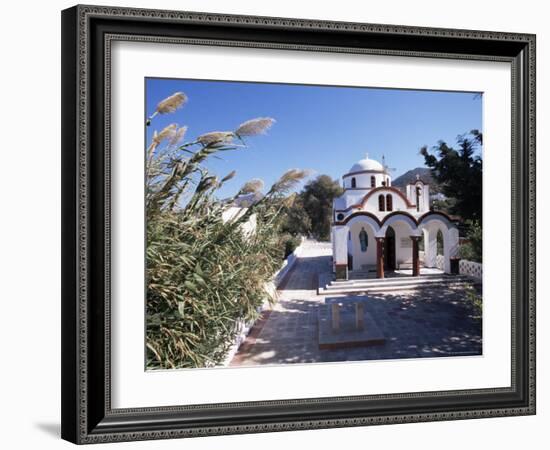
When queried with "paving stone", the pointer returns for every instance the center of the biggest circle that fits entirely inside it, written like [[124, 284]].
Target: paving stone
[[415, 323]]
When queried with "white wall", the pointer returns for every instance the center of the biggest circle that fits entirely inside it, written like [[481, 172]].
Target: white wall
[[354, 197], [424, 199], [30, 274], [235, 212], [398, 202], [362, 180], [403, 243], [361, 258]]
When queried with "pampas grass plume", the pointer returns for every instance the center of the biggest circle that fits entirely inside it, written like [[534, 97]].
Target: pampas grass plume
[[254, 127]]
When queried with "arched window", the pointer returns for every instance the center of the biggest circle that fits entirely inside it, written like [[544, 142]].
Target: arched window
[[372, 181], [353, 183], [418, 191], [381, 203], [439, 240], [387, 181], [389, 203], [363, 240]]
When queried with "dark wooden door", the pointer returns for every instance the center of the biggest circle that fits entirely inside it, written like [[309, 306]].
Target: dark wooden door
[[389, 253]]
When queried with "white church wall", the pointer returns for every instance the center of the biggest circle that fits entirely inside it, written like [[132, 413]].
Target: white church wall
[[450, 242], [333, 245], [430, 248], [362, 259], [403, 243], [363, 180], [424, 201], [453, 241], [340, 244], [372, 202], [354, 197], [403, 250], [426, 198]]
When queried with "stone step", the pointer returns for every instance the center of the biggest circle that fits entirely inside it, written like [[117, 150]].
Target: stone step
[[392, 284], [389, 280], [378, 289], [395, 281]]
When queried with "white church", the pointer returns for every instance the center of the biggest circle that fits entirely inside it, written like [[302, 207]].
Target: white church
[[377, 227]]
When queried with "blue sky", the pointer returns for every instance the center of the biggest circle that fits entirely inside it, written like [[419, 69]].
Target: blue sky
[[322, 128]]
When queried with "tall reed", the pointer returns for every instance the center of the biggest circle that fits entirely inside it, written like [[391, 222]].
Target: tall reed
[[204, 274]]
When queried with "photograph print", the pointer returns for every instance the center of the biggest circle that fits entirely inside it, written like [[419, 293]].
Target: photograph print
[[298, 224]]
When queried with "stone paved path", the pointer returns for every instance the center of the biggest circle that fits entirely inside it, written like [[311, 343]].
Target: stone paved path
[[420, 323]]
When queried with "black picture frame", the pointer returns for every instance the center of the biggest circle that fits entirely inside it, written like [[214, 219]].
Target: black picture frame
[[87, 416]]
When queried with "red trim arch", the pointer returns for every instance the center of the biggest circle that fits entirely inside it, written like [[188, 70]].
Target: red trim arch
[[357, 214], [359, 172], [372, 192], [452, 220], [403, 216], [398, 213], [387, 188], [381, 223]]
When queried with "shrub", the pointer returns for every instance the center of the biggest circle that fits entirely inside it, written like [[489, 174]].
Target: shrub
[[204, 274], [472, 250], [475, 301], [202, 278], [290, 244]]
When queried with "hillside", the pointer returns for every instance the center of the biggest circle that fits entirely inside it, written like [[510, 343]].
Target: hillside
[[410, 176]]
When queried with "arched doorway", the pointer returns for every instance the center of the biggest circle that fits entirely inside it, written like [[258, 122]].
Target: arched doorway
[[440, 242], [389, 249]]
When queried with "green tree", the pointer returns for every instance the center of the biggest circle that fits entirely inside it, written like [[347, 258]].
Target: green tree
[[459, 171], [472, 250], [316, 198], [296, 221]]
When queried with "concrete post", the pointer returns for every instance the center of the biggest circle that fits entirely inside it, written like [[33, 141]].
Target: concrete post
[[359, 315], [335, 310]]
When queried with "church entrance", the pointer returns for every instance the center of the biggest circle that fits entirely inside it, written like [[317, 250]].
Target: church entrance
[[389, 249]]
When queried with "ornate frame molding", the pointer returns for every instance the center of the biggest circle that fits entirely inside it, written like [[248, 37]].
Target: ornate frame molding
[[87, 416]]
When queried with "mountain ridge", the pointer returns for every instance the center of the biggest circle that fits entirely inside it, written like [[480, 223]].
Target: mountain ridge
[[410, 177]]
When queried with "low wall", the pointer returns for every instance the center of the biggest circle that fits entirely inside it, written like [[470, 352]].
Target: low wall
[[288, 264], [440, 262], [242, 328], [470, 268]]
